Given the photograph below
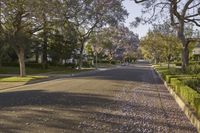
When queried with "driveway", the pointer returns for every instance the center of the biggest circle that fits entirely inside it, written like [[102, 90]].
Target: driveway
[[127, 99]]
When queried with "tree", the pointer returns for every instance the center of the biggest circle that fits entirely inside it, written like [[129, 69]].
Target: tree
[[47, 14], [91, 15], [180, 13], [17, 27], [116, 37], [62, 42], [160, 48]]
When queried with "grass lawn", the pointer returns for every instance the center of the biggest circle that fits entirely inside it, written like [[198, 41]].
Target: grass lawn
[[31, 71], [21, 79], [52, 70]]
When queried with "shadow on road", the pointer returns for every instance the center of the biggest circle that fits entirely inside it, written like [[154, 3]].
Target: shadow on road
[[135, 74], [38, 110], [21, 110]]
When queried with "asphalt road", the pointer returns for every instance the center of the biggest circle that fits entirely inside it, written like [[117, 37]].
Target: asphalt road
[[127, 99]]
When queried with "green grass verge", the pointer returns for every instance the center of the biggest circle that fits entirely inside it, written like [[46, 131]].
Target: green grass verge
[[21, 79], [54, 70]]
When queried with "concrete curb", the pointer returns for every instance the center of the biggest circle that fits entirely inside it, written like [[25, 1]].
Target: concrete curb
[[184, 107]]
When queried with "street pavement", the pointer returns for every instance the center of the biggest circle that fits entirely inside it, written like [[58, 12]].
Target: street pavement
[[126, 99]]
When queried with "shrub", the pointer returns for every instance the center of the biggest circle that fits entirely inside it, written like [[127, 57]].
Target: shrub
[[175, 71], [34, 65], [11, 64], [197, 105], [176, 84], [178, 63], [189, 95], [185, 92], [194, 83], [86, 64], [193, 69]]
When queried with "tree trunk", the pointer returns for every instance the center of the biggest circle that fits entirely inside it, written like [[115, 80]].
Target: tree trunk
[[81, 55], [185, 51], [168, 61], [37, 56], [45, 43], [20, 55], [44, 56], [0, 63], [185, 57]]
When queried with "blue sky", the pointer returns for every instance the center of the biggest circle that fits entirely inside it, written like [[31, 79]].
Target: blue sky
[[134, 10]]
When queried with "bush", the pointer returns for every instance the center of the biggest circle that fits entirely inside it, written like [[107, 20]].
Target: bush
[[107, 62], [194, 62], [193, 69], [175, 83], [113, 62], [197, 105], [11, 64], [194, 83], [71, 65], [16, 64], [87, 64], [34, 65], [188, 94], [178, 63]]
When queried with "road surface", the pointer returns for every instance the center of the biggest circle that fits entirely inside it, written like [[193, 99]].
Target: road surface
[[127, 99]]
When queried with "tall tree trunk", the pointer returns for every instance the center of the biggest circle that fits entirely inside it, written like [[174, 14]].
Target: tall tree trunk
[[185, 51], [37, 55], [185, 57], [0, 63], [45, 43], [44, 54], [20, 55], [168, 63], [81, 55]]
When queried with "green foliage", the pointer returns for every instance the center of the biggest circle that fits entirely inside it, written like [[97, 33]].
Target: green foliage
[[183, 85], [178, 63], [189, 95], [58, 29], [160, 48], [194, 83], [193, 69], [197, 105]]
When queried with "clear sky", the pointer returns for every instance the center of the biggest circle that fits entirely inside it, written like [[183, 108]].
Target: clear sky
[[134, 10]]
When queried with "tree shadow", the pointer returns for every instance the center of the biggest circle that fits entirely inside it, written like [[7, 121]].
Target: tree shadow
[[29, 106], [39, 110], [134, 74]]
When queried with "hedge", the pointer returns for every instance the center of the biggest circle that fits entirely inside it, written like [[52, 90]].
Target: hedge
[[197, 105], [180, 77], [188, 94]]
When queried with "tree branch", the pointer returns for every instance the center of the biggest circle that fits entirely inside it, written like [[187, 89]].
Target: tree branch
[[139, 1]]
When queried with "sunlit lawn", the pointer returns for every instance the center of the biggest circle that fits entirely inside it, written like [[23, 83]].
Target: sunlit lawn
[[54, 70], [21, 79]]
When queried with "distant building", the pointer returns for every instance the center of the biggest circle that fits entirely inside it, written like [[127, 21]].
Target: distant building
[[196, 52]]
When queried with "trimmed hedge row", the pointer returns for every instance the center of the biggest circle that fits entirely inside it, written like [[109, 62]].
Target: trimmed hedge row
[[186, 93], [189, 95], [191, 63], [180, 77]]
